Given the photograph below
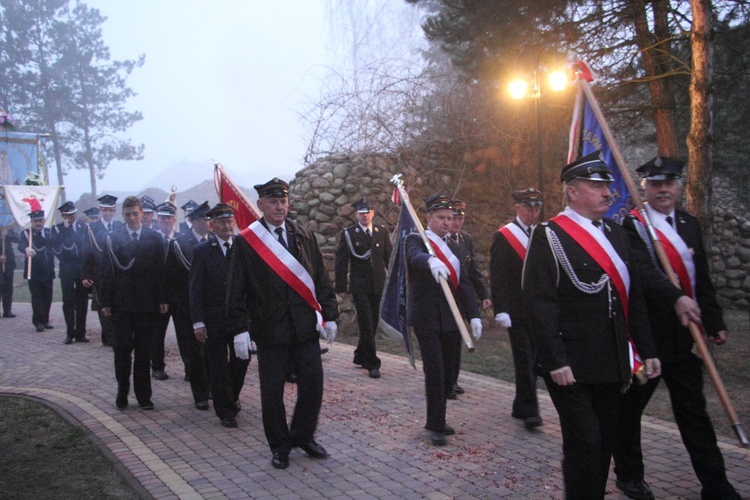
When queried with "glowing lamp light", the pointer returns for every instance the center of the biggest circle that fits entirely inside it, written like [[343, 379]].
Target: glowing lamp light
[[557, 80], [517, 89]]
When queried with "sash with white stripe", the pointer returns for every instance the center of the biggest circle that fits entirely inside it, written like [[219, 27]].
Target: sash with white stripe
[[445, 254], [283, 263], [674, 246], [600, 249], [517, 238]]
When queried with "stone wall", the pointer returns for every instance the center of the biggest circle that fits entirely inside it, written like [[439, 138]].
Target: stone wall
[[323, 192]]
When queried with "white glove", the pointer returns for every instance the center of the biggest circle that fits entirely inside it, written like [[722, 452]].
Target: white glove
[[30, 252], [437, 268], [476, 328], [242, 345], [331, 331], [503, 320]]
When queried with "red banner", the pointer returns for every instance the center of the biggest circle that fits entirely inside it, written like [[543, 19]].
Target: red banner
[[229, 193]]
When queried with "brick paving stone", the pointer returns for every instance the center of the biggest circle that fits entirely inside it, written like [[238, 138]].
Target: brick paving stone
[[371, 428]]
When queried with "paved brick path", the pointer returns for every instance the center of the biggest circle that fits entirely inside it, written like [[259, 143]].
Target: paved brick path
[[372, 430]]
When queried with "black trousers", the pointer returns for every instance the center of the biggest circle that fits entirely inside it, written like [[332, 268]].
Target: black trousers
[[75, 306], [368, 312], [227, 371], [105, 322], [132, 342], [525, 403], [588, 414], [41, 300], [183, 328], [439, 354], [6, 288], [684, 381], [274, 362]]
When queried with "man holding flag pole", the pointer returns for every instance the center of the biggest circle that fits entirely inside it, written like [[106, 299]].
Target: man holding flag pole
[[432, 259]]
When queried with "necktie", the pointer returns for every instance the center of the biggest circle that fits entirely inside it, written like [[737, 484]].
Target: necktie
[[109, 226], [135, 236], [280, 232], [166, 238], [367, 232], [203, 240], [528, 230], [228, 247], [597, 224], [670, 221]]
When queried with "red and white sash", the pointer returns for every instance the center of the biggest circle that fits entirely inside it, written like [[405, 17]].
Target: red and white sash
[[592, 241], [283, 263], [517, 238], [445, 254], [678, 253]]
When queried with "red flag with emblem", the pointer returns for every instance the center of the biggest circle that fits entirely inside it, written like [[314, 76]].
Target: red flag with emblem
[[245, 212]]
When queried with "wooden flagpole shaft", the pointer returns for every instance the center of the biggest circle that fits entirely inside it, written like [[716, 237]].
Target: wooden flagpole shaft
[[695, 331], [405, 202], [245, 199], [28, 258], [2, 235]]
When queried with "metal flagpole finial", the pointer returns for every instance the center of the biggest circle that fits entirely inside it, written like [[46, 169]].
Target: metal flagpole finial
[[396, 179]]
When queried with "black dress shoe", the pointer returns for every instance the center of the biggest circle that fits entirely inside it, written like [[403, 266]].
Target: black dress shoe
[[458, 389], [533, 421], [451, 395], [374, 373], [437, 438], [313, 450], [636, 489], [40, 327], [9, 315], [230, 422], [82, 339], [280, 461], [202, 405], [68, 341], [160, 375], [291, 378], [446, 431], [47, 326], [148, 405], [122, 401], [323, 350]]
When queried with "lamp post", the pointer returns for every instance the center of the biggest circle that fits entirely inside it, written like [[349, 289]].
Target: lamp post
[[519, 90]]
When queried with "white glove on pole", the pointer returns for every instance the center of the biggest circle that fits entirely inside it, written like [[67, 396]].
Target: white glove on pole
[[242, 345], [503, 320], [437, 268], [476, 328], [331, 330]]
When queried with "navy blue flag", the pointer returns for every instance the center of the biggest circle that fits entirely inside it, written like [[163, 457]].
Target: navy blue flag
[[586, 136], [393, 305]]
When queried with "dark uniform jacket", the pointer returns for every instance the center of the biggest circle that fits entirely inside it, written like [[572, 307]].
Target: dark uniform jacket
[[277, 314], [141, 287], [43, 263], [10, 254], [179, 258], [69, 245], [428, 307], [505, 279], [576, 329], [208, 284], [95, 249], [673, 341], [469, 262], [367, 276]]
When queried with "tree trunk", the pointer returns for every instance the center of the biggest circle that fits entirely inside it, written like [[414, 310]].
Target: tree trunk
[[698, 186], [655, 53]]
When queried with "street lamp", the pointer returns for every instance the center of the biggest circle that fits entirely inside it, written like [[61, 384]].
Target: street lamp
[[519, 89]]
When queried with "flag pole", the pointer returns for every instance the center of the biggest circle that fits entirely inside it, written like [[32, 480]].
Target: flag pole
[[405, 202], [695, 331], [250, 205], [28, 257]]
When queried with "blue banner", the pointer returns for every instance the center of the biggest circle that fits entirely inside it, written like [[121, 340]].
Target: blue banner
[[393, 305], [18, 157], [592, 139]]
